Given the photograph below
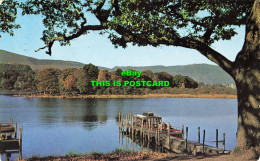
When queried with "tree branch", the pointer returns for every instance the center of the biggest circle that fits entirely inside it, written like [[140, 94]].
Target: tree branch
[[99, 7], [127, 35], [101, 17], [175, 40], [205, 38], [82, 31], [210, 53], [116, 6]]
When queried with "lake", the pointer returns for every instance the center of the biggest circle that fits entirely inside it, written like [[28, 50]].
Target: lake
[[57, 126]]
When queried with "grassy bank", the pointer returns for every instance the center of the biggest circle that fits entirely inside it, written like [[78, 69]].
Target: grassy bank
[[109, 156], [117, 154], [141, 96], [128, 155], [122, 155]]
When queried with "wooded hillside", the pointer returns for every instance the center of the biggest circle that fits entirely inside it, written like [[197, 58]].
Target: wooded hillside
[[77, 81]]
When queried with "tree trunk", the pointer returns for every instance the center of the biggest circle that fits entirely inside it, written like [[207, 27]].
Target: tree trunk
[[247, 77], [248, 134]]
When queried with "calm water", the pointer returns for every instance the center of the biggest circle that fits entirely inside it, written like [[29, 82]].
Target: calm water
[[56, 126]]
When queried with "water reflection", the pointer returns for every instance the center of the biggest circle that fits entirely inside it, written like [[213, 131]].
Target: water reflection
[[90, 112], [48, 109], [55, 126], [7, 155]]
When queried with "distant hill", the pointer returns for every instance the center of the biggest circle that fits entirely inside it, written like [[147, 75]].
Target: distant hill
[[12, 58], [200, 72]]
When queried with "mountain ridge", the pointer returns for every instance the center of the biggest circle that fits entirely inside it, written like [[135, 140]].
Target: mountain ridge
[[200, 72], [205, 73]]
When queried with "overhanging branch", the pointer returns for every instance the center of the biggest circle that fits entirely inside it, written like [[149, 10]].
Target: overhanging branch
[[101, 15], [175, 40], [82, 31], [210, 53], [153, 39]]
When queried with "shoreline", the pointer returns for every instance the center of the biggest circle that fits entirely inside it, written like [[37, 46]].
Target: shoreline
[[152, 156], [139, 96]]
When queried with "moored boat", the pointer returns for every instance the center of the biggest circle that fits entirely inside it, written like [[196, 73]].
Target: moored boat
[[149, 120]]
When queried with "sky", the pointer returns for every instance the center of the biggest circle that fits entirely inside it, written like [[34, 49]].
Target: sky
[[98, 50]]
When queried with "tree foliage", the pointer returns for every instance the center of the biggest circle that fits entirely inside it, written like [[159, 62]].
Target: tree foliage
[[149, 22], [91, 71], [65, 83], [16, 77], [74, 81], [81, 80], [103, 75], [47, 81], [8, 12]]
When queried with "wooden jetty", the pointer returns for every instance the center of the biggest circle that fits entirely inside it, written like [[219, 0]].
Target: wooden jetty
[[9, 143], [152, 133]]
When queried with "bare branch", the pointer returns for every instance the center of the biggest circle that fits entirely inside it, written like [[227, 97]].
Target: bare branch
[[99, 7], [41, 48], [82, 31], [116, 6]]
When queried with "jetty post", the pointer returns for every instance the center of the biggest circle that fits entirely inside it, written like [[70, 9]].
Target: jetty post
[[224, 141], [152, 124], [135, 118], [11, 122], [126, 122], [141, 130], [135, 131], [132, 128], [122, 122], [15, 130], [149, 128], [126, 126], [158, 135], [120, 126], [198, 134], [20, 153], [132, 144], [182, 130], [119, 121], [144, 132], [20, 137], [186, 139], [168, 134], [217, 138], [131, 123], [119, 135], [203, 145]]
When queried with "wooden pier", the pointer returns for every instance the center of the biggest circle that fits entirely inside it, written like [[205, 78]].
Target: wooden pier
[[9, 143], [149, 133]]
